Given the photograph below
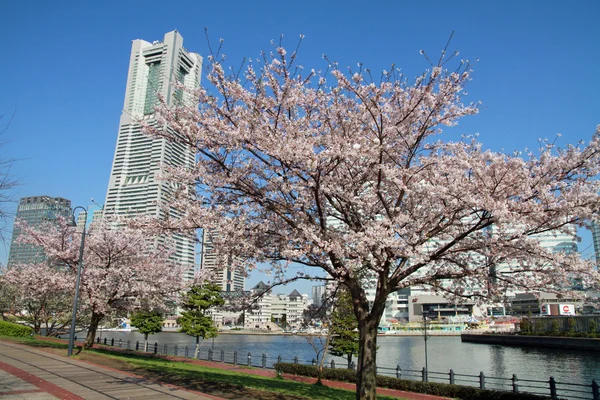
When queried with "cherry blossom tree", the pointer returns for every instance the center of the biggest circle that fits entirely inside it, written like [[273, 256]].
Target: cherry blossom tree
[[123, 268], [350, 175], [41, 295]]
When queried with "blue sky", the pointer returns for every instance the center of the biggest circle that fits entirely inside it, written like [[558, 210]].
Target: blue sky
[[64, 68]]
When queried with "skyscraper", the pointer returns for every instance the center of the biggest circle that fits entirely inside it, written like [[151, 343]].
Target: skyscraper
[[35, 211], [133, 187], [230, 277]]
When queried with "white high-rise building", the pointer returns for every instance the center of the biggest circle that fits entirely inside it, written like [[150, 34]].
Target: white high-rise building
[[229, 277], [134, 188]]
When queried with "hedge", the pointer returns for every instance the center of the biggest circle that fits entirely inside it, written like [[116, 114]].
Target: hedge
[[10, 329], [433, 388]]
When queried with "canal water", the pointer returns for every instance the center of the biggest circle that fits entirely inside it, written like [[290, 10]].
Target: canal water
[[408, 352]]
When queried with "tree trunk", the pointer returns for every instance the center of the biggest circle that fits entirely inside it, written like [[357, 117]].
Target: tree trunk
[[349, 360], [366, 384], [197, 347], [91, 335], [146, 342]]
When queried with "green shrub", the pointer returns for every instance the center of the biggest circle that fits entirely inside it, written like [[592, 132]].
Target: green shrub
[[571, 325], [16, 330], [525, 326], [433, 388], [593, 326], [555, 328]]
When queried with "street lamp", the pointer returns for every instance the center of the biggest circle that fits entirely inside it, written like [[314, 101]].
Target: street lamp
[[425, 336], [74, 316]]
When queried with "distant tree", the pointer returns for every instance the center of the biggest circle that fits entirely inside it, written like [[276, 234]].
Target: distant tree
[[194, 321], [343, 328], [147, 322], [314, 315]]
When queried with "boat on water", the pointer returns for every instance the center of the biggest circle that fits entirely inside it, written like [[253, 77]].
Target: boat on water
[[124, 325]]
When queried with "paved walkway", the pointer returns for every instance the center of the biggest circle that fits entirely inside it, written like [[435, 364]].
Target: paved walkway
[[27, 373]]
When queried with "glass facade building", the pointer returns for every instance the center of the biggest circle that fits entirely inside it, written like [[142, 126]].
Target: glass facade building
[[35, 211]]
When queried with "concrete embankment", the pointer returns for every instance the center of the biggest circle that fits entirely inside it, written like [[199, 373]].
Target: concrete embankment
[[535, 341]]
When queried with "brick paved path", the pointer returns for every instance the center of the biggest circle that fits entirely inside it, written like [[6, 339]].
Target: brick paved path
[[27, 373]]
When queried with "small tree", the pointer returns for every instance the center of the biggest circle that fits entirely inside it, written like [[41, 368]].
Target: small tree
[[147, 322], [344, 328], [194, 320]]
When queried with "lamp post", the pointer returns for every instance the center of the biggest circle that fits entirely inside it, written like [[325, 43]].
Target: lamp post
[[425, 336], [79, 266]]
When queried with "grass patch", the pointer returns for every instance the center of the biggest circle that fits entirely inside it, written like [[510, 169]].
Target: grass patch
[[184, 374]]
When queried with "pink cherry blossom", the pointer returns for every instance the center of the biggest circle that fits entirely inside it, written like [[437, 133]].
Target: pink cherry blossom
[[123, 268], [343, 174]]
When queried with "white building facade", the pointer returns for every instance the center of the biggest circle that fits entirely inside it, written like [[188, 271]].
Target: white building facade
[[134, 187]]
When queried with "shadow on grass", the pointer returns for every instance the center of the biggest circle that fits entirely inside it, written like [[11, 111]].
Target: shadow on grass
[[224, 383]]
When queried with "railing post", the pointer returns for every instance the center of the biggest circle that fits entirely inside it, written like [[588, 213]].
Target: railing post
[[104, 340], [249, 359], [296, 360], [398, 372], [264, 360], [352, 365], [552, 383], [234, 357], [185, 349], [451, 374], [98, 340], [424, 374], [137, 345], [166, 349], [279, 358], [332, 364], [176, 350], [515, 383], [210, 355], [481, 381], [112, 341], [128, 344], [222, 355], [595, 390], [155, 347], [120, 343]]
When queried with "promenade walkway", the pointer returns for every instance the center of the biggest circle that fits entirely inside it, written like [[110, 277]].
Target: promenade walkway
[[28, 373]]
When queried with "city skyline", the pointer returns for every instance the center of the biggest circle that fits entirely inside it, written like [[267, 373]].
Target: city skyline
[[63, 129]]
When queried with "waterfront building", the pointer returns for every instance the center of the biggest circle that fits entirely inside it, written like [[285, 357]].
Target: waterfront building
[[34, 211], [134, 187], [541, 303], [259, 314], [288, 309]]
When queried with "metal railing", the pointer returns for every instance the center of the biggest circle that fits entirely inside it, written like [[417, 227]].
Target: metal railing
[[556, 390]]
